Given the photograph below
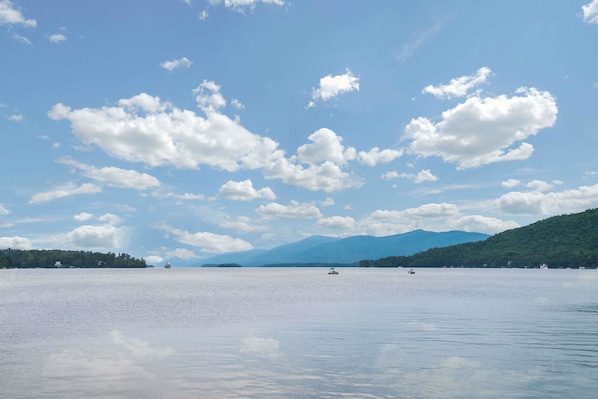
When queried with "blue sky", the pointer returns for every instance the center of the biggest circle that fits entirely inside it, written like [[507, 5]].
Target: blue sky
[[183, 129]]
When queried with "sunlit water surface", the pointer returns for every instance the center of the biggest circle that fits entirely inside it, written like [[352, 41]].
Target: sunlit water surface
[[298, 333]]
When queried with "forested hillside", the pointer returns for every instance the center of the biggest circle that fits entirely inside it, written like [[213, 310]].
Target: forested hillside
[[560, 241], [15, 258]]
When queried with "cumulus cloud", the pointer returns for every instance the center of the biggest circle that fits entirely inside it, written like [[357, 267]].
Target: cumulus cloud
[[171, 65], [483, 130], [208, 242], [345, 223], [553, 203], [145, 129], [244, 191], [510, 183], [16, 117], [67, 190], [590, 12], [294, 210], [326, 146], [115, 177], [83, 217], [459, 87], [9, 15], [422, 176], [15, 242], [57, 38], [376, 156], [332, 86], [105, 236]]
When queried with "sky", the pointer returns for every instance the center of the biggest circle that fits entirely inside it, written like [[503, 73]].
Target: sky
[[176, 130]]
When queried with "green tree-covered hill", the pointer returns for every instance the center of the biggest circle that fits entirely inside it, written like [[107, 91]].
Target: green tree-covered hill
[[15, 258], [559, 241]]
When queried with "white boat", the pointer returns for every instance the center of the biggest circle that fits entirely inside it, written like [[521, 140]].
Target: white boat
[[167, 265], [411, 271], [332, 271], [544, 266]]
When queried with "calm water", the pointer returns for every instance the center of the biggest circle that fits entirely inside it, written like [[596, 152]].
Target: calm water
[[298, 333]]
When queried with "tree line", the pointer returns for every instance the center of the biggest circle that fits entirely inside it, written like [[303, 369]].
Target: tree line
[[54, 258], [560, 242]]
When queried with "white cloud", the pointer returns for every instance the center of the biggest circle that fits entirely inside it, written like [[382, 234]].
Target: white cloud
[[153, 259], [511, 183], [539, 185], [208, 242], [554, 203], [15, 243], [243, 224], [21, 39], [110, 219], [67, 190], [98, 236], [416, 41], [375, 156], [243, 5], [237, 104], [590, 12], [115, 177], [83, 217], [337, 223], [431, 217], [459, 87], [294, 210], [483, 130], [4, 210], [203, 15], [186, 196], [182, 253], [333, 86], [57, 38], [244, 191], [481, 224], [12, 16], [326, 146], [327, 202], [16, 117], [144, 129], [420, 177], [171, 65]]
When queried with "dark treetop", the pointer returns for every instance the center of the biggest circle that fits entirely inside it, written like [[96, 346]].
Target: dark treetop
[[55, 258]]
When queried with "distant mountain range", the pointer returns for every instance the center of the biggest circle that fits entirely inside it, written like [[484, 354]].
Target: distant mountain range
[[320, 249], [564, 241]]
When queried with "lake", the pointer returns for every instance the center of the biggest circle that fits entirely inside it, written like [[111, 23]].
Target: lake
[[298, 333]]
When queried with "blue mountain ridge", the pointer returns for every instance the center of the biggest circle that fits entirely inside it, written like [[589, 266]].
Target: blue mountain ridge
[[320, 249]]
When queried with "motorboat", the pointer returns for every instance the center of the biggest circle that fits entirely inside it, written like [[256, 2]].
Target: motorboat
[[332, 271], [411, 271]]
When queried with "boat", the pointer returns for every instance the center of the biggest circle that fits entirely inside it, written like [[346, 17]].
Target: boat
[[167, 265], [332, 271], [411, 271], [544, 266]]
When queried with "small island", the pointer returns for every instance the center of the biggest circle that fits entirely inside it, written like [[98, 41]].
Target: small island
[[58, 259]]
